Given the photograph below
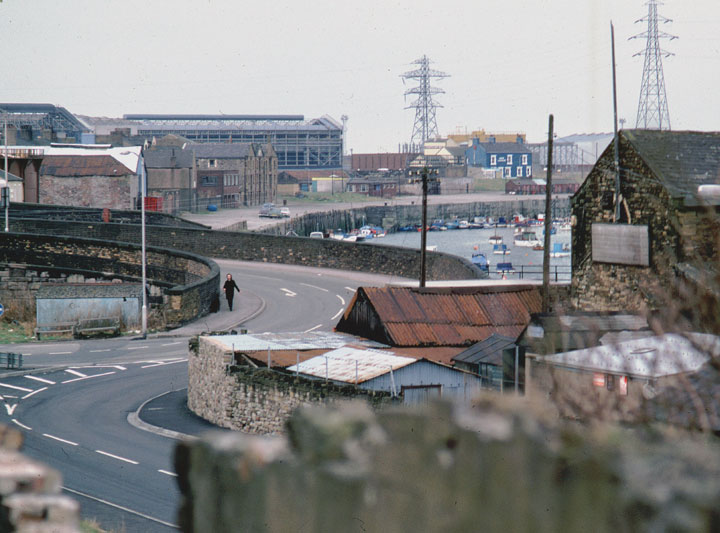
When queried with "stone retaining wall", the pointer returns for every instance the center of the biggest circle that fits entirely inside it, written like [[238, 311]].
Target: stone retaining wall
[[188, 283], [255, 400], [326, 253]]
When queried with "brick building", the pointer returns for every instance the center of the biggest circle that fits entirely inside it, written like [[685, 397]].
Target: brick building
[[235, 174], [668, 225]]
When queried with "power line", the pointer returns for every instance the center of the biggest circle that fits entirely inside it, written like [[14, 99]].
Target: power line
[[425, 125], [653, 111]]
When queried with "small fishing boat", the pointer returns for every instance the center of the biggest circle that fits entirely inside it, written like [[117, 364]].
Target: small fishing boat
[[500, 249], [560, 249], [479, 260], [526, 238]]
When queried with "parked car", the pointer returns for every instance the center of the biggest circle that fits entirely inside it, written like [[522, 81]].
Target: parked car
[[285, 212], [317, 235], [266, 209]]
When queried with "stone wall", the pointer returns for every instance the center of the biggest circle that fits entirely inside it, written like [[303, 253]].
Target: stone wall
[[30, 492], [614, 287], [255, 400], [96, 191], [327, 253], [496, 467], [190, 283]]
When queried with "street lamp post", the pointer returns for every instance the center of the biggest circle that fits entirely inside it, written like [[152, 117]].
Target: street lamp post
[[144, 258], [6, 192]]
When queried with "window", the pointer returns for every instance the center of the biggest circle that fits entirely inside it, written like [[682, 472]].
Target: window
[[524, 159], [528, 171], [509, 159], [508, 172], [493, 160], [207, 181], [212, 162], [519, 172]]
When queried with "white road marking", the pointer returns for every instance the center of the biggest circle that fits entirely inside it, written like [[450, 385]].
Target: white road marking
[[172, 343], [162, 363], [59, 439], [116, 506], [98, 351], [21, 425], [138, 347], [117, 457], [58, 353], [87, 377], [342, 300], [33, 392], [173, 474], [41, 380], [315, 287], [75, 372], [350, 289], [288, 292], [14, 387], [10, 408], [342, 309], [312, 329]]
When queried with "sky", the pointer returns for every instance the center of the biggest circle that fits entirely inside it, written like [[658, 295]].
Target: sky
[[511, 62]]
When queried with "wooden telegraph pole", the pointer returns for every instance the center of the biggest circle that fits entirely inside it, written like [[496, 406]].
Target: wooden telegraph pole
[[548, 222]]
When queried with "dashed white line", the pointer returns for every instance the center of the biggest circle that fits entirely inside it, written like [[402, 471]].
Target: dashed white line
[[41, 380], [172, 343], [98, 351], [288, 292], [33, 392], [14, 387], [75, 372], [315, 287], [338, 313], [21, 425], [116, 506], [59, 439], [117, 457], [350, 289], [342, 300], [58, 353], [138, 347], [162, 363], [173, 474], [312, 329], [87, 377]]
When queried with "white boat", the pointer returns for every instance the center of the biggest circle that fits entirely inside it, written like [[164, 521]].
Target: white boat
[[527, 238], [560, 249], [500, 249]]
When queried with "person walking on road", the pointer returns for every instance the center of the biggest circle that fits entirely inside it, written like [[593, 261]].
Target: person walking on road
[[229, 289]]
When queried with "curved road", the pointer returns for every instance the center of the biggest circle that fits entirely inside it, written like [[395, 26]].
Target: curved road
[[73, 409]]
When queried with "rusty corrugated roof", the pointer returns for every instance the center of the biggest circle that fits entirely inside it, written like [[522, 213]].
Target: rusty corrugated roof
[[82, 165], [408, 316]]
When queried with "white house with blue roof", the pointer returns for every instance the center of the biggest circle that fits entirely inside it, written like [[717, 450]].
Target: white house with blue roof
[[513, 160]]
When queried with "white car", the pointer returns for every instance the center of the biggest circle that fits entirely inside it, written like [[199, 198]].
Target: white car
[[285, 211]]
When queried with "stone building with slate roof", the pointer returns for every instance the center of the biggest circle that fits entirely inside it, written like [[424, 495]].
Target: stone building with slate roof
[[235, 174], [668, 231], [171, 176]]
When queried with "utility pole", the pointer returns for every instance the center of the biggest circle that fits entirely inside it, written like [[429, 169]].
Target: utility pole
[[548, 222], [6, 191], [424, 173], [616, 141]]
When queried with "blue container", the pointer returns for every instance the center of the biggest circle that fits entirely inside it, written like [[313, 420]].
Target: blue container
[[212, 207]]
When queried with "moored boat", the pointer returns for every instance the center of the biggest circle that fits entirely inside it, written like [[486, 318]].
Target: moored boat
[[526, 238]]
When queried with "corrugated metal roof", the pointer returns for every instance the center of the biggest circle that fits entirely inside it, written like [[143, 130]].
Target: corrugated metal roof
[[487, 351], [651, 357], [444, 316], [349, 363], [128, 156], [312, 340]]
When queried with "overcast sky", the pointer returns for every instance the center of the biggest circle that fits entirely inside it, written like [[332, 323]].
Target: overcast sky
[[511, 62]]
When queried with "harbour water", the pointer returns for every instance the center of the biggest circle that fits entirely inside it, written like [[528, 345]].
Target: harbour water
[[526, 262]]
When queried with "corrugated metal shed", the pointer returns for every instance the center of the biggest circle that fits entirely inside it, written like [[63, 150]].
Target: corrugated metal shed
[[349, 363], [651, 357], [489, 351], [458, 316]]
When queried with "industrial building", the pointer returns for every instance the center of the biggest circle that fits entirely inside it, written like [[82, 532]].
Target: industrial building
[[299, 143]]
